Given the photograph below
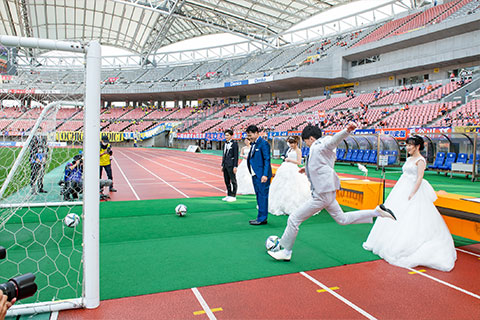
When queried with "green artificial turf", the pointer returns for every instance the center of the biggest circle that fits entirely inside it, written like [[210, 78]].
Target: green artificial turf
[[146, 248], [8, 155]]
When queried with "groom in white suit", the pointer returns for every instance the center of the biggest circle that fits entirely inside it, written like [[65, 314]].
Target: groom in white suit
[[324, 183]]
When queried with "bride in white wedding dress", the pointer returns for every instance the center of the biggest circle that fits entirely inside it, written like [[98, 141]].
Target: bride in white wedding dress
[[289, 189], [420, 236], [244, 178]]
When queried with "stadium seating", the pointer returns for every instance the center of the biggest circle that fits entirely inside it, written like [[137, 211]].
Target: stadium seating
[[462, 158], [203, 126], [468, 114], [354, 155], [443, 91], [449, 159], [439, 160], [135, 113], [10, 112], [416, 115], [305, 151], [423, 18], [373, 157], [384, 30], [71, 125], [348, 156], [405, 95], [470, 159], [303, 106], [160, 114]]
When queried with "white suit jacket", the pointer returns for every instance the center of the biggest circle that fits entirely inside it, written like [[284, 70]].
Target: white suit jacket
[[320, 162]]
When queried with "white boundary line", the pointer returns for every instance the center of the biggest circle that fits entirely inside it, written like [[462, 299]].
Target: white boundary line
[[196, 163], [183, 174], [204, 304], [446, 283], [205, 163], [54, 315], [339, 297], [153, 174], [473, 254], [125, 177]]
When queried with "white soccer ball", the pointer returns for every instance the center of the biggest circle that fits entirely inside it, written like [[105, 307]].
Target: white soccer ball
[[272, 243], [71, 220], [181, 210]]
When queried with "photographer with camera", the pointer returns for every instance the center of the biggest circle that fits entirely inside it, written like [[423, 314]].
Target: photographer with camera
[[17, 288], [5, 304], [105, 161], [73, 178]]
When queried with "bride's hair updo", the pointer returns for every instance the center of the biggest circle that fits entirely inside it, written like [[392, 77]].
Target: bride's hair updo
[[416, 141], [293, 139]]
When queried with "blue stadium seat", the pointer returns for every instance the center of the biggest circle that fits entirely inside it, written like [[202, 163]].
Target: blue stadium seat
[[354, 155], [470, 159], [340, 154], [462, 158], [360, 155], [305, 151], [392, 156], [450, 158], [373, 157], [348, 157], [439, 160], [366, 155]]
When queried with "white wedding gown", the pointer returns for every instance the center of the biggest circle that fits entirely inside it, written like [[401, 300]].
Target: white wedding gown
[[289, 189], [420, 236], [244, 179]]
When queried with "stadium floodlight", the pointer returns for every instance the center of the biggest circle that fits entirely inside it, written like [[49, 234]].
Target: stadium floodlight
[[36, 143]]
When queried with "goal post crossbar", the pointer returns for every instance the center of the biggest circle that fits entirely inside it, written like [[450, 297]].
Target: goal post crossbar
[[91, 150]]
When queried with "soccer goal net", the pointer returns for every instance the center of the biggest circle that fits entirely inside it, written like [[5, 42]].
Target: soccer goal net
[[49, 195]]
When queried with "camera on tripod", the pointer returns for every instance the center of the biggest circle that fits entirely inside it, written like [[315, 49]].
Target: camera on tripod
[[20, 287]]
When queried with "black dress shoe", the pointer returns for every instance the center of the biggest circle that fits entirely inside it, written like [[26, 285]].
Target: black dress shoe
[[42, 191], [113, 190], [257, 223], [387, 212]]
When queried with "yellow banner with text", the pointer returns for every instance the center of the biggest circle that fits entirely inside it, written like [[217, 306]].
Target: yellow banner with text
[[75, 136]]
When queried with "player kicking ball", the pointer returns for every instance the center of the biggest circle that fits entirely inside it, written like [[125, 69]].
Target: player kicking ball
[[324, 183]]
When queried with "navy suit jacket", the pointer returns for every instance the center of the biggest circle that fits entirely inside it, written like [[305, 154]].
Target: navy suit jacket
[[259, 159]]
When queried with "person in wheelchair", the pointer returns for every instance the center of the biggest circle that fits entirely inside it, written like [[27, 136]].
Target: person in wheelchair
[[72, 183]]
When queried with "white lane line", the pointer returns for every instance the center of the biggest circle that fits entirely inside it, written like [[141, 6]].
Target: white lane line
[[446, 283], [54, 315], [125, 177], [339, 297], [181, 173], [153, 174], [473, 254], [197, 164], [204, 304]]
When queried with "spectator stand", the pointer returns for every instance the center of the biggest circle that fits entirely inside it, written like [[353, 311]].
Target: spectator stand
[[456, 152]]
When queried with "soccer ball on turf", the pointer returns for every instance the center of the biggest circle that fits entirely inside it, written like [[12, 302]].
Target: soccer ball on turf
[[181, 210], [272, 243], [71, 220]]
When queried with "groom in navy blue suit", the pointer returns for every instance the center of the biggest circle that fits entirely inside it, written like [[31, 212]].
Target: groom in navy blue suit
[[258, 162]]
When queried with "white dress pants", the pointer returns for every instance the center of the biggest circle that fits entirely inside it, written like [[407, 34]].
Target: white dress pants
[[326, 201]]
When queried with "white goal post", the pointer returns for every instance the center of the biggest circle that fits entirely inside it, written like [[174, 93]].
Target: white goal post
[[90, 296]]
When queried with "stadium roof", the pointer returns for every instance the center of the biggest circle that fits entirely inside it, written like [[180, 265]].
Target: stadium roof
[[143, 26]]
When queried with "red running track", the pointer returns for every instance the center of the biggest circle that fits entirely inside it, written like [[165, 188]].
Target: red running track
[[145, 174], [365, 290], [372, 290]]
